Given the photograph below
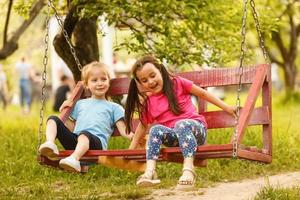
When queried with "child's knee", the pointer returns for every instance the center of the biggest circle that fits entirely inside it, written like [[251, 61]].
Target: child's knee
[[83, 137], [54, 119], [182, 126], [156, 130]]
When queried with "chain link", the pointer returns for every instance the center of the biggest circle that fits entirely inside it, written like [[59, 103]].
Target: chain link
[[258, 30], [242, 57], [45, 62], [240, 74], [60, 23], [44, 78]]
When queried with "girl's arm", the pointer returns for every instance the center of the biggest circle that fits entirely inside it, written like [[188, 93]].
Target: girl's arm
[[204, 94], [122, 129], [138, 136]]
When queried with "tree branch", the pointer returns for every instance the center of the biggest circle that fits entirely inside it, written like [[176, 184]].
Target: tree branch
[[274, 59], [298, 30], [84, 37], [7, 21], [293, 39], [278, 41], [11, 45]]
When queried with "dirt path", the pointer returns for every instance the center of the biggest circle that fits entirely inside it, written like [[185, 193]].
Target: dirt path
[[242, 190]]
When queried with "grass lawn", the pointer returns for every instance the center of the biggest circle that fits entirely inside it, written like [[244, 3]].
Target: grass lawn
[[279, 193], [23, 178]]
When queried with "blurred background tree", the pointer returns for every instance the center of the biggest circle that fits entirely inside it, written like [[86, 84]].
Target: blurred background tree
[[283, 39], [184, 33]]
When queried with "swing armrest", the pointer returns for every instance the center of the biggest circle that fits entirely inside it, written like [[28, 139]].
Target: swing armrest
[[76, 95]]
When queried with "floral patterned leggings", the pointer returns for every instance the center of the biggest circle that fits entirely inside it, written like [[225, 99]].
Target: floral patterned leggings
[[187, 134]]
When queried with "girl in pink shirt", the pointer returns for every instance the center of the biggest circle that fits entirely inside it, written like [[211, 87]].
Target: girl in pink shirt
[[163, 101]]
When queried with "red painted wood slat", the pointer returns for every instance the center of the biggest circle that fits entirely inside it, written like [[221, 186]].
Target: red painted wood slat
[[257, 75]]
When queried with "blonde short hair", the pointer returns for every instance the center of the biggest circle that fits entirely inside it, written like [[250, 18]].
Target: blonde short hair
[[86, 70]]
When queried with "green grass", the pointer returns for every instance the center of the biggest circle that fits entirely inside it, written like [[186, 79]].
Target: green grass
[[271, 193], [23, 178]]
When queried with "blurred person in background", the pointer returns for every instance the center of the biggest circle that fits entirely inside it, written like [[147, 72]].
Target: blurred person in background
[[26, 73], [62, 92], [3, 88]]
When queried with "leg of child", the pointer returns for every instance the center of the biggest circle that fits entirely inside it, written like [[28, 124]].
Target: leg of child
[[56, 129], [191, 133], [84, 142], [157, 134], [49, 149], [82, 147], [51, 130], [72, 163]]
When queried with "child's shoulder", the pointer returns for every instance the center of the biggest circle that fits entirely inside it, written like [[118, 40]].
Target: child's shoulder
[[180, 79], [114, 104]]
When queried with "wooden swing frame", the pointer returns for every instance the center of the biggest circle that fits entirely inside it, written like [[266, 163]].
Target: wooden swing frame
[[257, 76]]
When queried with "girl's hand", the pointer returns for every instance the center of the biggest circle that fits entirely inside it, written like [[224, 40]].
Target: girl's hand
[[133, 144], [66, 103], [142, 143], [142, 89], [130, 135], [137, 144], [232, 110]]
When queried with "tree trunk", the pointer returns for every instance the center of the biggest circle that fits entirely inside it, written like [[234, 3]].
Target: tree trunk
[[290, 74], [84, 40]]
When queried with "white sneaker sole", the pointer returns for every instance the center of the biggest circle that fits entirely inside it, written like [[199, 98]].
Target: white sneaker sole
[[68, 167], [49, 153]]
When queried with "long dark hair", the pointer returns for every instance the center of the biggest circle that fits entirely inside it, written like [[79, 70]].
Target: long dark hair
[[136, 100]]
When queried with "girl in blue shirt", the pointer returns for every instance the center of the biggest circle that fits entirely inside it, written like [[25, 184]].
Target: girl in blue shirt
[[91, 122]]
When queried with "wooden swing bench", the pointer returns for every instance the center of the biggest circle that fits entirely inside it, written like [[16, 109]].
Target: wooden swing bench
[[257, 77]]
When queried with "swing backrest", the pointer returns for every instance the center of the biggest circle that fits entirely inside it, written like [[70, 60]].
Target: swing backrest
[[216, 77]]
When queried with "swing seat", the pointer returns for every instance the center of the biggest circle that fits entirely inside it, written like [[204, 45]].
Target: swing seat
[[257, 78]]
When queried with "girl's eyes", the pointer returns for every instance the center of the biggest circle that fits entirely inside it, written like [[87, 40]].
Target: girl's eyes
[[102, 79], [151, 76]]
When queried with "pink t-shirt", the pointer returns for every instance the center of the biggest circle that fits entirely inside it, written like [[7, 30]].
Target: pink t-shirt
[[158, 111]]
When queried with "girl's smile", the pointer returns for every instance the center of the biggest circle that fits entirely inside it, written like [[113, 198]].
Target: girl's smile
[[150, 78]]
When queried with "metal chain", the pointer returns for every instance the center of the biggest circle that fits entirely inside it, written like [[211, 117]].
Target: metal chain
[[44, 77], [45, 62], [239, 89], [258, 30], [60, 23]]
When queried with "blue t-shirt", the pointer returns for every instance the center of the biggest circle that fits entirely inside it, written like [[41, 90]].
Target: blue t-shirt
[[98, 117]]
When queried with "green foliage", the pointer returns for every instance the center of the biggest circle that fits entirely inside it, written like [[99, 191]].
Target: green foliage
[[30, 47], [202, 32], [23, 7]]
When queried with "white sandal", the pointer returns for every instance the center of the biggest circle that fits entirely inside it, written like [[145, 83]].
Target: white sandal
[[186, 183], [148, 179]]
